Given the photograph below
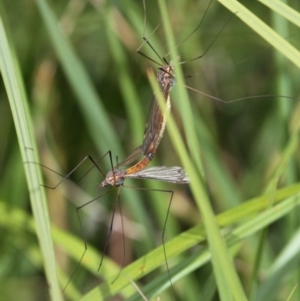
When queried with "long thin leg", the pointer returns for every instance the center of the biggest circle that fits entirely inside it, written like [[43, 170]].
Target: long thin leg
[[110, 228], [123, 234], [95, 164], [171, 192], [84, 235]]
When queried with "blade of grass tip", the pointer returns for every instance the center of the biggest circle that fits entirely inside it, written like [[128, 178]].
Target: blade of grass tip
[[228, 283], [223, 268], [263, 30], [292, 293], [284, 10], [18, 103]]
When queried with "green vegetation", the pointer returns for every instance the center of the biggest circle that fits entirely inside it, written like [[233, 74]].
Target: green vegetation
[[76, 86]]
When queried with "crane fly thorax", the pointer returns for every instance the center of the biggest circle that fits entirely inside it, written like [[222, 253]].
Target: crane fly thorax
[[113, 178], [165, 77]]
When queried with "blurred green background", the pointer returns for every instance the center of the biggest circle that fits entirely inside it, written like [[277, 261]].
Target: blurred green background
[[241, 142]]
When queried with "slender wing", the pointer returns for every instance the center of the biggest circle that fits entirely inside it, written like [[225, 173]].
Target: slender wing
[[172, 174], [133, 157], [156, 121]]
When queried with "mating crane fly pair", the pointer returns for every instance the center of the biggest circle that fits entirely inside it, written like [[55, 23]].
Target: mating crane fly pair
[[154, 130], [155, 125], [153, 133]]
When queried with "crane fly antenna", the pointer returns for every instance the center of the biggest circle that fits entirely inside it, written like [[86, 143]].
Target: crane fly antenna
[[198, 26], [146, 41]]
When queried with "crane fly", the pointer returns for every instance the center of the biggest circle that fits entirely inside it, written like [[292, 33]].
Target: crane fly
[[154, 130], [153, 133]]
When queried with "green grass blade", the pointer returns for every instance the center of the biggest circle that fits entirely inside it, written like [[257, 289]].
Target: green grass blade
[[284, 10], [286, 262], [18, 103], [90, 103], [263, 30], [228, 283]]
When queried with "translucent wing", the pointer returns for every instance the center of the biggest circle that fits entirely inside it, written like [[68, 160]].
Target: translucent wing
[[156, 121], [172, 174], [133, 157]]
